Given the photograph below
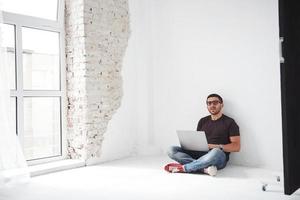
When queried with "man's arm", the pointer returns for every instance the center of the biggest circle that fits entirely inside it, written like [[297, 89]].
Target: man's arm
[[233, 146]]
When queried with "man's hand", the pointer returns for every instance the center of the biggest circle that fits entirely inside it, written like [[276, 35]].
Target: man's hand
[[211, 146], [233, 146]]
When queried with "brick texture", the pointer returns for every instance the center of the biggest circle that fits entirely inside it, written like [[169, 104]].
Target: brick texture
[[97, 33]]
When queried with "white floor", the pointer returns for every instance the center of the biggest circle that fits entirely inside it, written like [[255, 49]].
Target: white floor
[[144, 178]]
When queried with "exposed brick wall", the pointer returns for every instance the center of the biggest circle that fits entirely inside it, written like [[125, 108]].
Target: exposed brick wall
[[97, 33]]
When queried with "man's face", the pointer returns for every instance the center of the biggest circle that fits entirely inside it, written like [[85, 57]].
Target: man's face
[[214, 106]]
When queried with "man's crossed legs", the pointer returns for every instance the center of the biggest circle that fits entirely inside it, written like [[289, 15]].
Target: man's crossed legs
[[196, 161]]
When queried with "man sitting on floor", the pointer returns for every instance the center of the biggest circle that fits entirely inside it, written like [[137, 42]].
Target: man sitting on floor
[[222, 135]]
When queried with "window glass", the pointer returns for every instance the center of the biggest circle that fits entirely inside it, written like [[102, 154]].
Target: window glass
[[40, 59], [8, 46], [42, 135], [13, 113], [46, 9]]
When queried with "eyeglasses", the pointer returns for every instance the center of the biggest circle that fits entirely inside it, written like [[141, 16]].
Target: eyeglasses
[[209, 103]]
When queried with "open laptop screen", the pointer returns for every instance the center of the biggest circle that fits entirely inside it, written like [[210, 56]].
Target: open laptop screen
[[192, 140]]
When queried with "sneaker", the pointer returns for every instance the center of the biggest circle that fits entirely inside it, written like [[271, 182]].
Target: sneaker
[[211, 170], [174, 168]]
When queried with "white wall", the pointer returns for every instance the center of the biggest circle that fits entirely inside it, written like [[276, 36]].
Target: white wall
[[179, 52], [227, 47]]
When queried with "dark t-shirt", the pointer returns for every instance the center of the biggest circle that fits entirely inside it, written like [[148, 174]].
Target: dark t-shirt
[[218, 131]]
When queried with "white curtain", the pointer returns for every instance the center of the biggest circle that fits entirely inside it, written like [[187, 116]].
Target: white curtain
[[13, 167]]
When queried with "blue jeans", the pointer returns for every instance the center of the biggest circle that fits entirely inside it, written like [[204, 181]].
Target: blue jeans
[[196, 161]]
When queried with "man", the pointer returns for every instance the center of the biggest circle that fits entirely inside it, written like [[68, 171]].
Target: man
[[222, 135]]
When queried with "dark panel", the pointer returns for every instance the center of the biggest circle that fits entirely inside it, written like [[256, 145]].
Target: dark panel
[[290, 81]]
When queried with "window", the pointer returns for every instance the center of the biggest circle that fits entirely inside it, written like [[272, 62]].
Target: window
[[33, 35]]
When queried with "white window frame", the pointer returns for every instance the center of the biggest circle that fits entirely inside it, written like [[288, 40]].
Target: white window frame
[[20, 21]]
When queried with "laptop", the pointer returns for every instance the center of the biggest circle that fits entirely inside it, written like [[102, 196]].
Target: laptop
[[192, 140]]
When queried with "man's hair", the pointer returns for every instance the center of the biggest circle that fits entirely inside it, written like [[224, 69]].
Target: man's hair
[[215, 95]]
